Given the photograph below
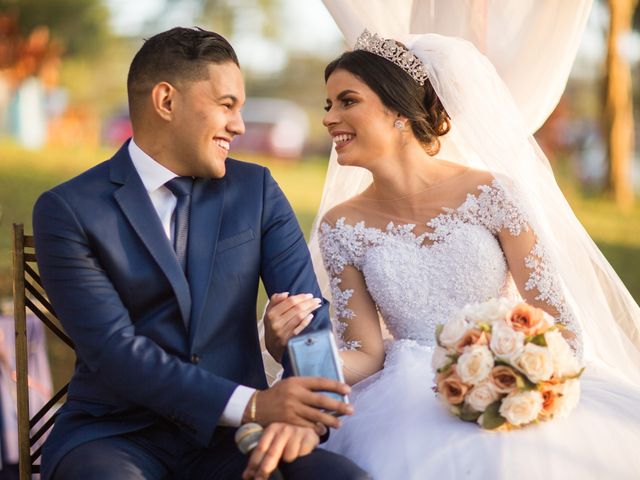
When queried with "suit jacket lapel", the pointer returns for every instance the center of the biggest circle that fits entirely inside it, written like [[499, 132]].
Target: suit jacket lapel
[[204, 227], [137, 207]]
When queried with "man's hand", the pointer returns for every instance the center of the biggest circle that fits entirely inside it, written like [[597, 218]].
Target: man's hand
[[279, 441], [298, 401], [285, 317]]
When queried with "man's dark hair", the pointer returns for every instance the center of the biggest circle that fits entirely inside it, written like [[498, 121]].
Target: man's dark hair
[[177, 55]]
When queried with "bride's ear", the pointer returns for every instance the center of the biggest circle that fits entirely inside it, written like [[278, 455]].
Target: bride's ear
[[400, 122]]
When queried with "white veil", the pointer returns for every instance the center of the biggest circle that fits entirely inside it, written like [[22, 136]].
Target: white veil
[[491, 129]]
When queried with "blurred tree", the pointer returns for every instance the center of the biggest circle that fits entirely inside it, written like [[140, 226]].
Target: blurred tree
[[81, 26], [221, 15], [619, 102]]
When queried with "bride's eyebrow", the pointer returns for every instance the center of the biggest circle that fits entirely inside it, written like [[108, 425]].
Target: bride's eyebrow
[[344, 93], [341, 95]]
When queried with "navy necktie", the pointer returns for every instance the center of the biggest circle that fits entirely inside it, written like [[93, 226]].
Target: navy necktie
[[181, 187]]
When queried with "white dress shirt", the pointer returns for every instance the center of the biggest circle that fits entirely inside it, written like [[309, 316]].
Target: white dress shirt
[[154, 176]]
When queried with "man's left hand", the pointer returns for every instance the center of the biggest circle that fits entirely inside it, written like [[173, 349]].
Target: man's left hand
[[280, 441]]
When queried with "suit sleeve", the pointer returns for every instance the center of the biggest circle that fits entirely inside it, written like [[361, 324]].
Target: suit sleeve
[[92, 313], [285, 260]]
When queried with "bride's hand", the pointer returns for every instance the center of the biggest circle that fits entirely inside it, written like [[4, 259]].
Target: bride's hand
[[285, 317]]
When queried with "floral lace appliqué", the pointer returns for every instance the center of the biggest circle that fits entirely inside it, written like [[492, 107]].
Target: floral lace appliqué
[[416, 286]]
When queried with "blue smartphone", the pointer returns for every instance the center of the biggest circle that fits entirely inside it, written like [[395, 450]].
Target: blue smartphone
[[315, 354]]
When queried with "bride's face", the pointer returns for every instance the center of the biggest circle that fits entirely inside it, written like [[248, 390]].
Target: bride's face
[[357, 120]]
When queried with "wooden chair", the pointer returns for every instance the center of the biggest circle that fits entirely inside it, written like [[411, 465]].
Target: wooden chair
[[29, 293]]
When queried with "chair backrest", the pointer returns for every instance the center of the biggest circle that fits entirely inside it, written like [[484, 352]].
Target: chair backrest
[[28, 293]]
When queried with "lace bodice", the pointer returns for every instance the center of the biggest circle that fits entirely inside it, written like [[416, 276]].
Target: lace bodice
[[419, 281]]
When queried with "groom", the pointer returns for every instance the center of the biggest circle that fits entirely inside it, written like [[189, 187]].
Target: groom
[[152, 260]]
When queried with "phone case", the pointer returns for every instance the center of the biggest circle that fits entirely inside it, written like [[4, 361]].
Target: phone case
[[315, 354]]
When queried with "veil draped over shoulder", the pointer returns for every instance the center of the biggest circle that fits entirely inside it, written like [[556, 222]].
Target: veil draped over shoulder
[[486, 63]]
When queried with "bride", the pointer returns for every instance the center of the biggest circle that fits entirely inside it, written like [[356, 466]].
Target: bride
[[462, 207]]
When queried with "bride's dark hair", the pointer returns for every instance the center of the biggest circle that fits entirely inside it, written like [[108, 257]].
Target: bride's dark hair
[[398, 91]]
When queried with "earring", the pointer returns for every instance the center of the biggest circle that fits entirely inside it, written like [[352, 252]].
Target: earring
[[399, 124]]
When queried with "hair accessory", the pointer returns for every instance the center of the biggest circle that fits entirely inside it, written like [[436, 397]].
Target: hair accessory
[[394, 52]]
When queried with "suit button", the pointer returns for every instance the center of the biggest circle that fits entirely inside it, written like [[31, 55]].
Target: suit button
[[195, 358]]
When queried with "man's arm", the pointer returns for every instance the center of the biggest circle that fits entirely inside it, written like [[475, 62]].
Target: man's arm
[[285, 260], [93, 314]]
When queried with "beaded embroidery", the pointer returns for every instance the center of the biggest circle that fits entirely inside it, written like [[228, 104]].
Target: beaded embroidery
[[438, 278]]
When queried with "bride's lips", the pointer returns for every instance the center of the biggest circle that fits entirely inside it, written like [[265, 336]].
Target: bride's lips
[[342, 139]]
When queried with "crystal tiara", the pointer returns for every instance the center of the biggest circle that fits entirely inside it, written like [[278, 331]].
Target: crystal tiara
[[394, 52]]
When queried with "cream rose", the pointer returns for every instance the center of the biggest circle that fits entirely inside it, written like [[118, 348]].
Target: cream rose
[[536, 363], [520, 408], [506, 343], [568, 396], [481, 396], [564, 361], [439, 358], [475, 364], [490, 311], [453, 331]]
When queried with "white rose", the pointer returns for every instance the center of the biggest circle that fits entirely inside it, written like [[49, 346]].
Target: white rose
[[536, 363], [490, 311], [569, 395], [481, 396], [475, 364], [453, 331], [439, 358], [520, 408], [564, 361], [506, 343]]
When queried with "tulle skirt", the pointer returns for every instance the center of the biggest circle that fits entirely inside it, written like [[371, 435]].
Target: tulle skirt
[[401, 430]]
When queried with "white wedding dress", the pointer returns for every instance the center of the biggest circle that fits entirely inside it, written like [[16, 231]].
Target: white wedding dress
[[400, 429]]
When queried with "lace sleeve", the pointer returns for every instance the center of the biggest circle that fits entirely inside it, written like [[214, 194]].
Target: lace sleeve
[[341, 245], [355, 314], [529, 263]]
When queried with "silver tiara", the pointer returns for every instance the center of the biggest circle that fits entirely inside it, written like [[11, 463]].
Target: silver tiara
[[394, 52]]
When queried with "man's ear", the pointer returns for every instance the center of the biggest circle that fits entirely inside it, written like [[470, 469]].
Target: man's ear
[[163, 98]]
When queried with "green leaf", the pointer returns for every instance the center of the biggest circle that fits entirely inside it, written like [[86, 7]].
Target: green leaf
[[523, 383], [468, 414], [439, 328], [484, 326], [538, 340], [573, 377], [445, 368], [491, 418], [502, 362]]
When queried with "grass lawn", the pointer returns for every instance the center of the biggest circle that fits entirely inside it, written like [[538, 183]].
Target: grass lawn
[[24, 175]]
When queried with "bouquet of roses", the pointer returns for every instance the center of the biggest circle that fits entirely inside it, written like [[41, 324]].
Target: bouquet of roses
[[504, 364]]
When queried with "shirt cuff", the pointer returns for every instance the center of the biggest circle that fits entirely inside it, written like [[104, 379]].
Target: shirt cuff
[[232, 414]]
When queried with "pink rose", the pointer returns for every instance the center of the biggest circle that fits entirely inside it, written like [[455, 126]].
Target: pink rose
[[451, 387], [527, 319], [504, 379], [473, 336]]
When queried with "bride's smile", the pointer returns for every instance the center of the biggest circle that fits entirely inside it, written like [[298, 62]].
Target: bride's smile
[[359, 124]]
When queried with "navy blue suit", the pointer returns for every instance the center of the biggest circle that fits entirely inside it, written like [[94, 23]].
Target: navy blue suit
[[152, 345]]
